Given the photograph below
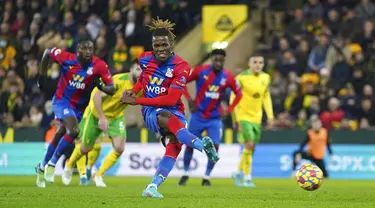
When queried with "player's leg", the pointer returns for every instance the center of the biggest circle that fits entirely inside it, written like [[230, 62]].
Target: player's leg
[[60, 131], [214, 131], [88, 134], [93, 155], [320, 163], [250, 135], [40, 182], [117, 132], [164, 167], [81, 164], [162, 120], [238, 175], [67, 141], [172, 122], [195, 127]]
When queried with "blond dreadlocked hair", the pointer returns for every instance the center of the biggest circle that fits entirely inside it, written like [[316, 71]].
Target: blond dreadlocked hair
[[163, 24]]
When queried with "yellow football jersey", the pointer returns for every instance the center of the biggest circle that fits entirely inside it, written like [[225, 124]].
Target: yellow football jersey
[[255, 97], [112, 107]]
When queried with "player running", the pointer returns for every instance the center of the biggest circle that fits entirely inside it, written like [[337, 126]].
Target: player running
[[105, 114], [248, 115], [80, 73], [318, 141], [211, 82], [163, 79]]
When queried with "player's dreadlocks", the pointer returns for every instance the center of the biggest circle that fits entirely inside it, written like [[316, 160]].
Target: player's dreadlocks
[[83, 41], [162, 28]]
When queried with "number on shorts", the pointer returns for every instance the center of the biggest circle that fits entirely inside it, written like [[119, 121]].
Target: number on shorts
[[122, 126]]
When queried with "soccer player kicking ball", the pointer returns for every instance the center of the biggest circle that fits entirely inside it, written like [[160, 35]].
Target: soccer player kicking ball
[[104, 114], [318, 141], [163, 79], [248, 115], [80, 73], [211, 82]]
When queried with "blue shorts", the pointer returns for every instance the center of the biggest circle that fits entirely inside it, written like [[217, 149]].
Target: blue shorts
[[150, 117], [63, 111], [214, 127]]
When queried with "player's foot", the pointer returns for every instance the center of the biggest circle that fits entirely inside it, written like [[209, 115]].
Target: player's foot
[[99, 181], [83, 180], [183, 180], [249, 183], [89, 175], [237, 177], [206, 182], [49, 173], [40, 182], [67, 176], [151, 192], [209, 148]]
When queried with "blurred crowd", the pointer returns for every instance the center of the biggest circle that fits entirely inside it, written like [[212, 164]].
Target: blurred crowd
[[322, 61], [321, 56], [117, 27]]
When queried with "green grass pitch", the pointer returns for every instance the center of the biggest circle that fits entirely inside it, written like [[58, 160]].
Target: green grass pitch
[[20, 191]]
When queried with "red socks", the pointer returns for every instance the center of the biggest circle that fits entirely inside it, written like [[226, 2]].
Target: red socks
[[173, 150], [174, 124]]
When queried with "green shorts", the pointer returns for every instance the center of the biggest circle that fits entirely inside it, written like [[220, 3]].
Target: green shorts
[[249, 132], [89, 130]]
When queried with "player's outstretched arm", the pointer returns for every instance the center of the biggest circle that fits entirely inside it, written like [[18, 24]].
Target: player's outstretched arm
[[43, 67], [267, 105], [109, 89], [106, 76], [174, 95]]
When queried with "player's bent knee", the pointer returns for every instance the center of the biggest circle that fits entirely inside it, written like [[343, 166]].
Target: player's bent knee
[[85, 149], [119, 149], [165, 114], [172, 139], [74, 132], [163, 118], [248, 146]]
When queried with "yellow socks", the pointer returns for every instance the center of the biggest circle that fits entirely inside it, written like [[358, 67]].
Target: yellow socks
[[81, 165], [110, 160], [76, 155], [246, 160], [240, 166], [93, 155]]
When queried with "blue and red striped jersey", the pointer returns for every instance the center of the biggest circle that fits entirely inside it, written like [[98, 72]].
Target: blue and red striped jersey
[[210, 89], [157, 77], [76, 82]]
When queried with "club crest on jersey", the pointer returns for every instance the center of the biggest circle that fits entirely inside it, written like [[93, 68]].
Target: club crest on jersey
[[89, 71], [169, 73]]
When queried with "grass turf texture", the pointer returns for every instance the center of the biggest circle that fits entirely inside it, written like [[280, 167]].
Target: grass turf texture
[[20, 191]]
